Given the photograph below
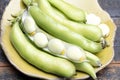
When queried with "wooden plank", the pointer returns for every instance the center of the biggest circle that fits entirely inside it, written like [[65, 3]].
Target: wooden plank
[[10, 73], [111, 72], [114, 13], [117, 21], [117, 36], [117, 43], [2, 64], [3, 59], [111, 6], [117, 54]]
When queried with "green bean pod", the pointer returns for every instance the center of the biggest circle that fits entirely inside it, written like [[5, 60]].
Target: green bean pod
[[87, 68], [51, 11], [60, 31], [57, 12], [50, 44], [38, 58], [91, 32], [93, 59], [69, 51], [69, 10]]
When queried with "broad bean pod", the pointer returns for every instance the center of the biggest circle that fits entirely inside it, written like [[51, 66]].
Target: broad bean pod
[[38, 58], [87, 68], [91, 32], [69, 10], [70, 50], [48, 43], [60, 31], [93, 59]]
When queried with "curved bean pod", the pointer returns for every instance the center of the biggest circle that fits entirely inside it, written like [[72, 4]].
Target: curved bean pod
[[91, 32], [87, 68], [93, 59], [69, 10], [38, 58], [54, 28], [51, 44]]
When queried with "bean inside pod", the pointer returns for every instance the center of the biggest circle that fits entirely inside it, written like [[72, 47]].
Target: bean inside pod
[[51, 44]]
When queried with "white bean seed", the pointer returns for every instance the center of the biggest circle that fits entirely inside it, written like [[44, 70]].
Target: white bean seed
[[40, 40], [105, 29], [93, 19], [74, 53], [56, 46], [29, 25]]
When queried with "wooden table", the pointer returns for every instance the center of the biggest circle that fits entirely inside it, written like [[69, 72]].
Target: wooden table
[[111, 72]]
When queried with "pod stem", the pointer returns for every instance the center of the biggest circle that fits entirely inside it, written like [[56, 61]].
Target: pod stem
[[29, 2], [16, 17], [104, 43]]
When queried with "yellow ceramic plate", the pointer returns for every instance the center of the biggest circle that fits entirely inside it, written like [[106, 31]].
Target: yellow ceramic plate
[[91, 6]]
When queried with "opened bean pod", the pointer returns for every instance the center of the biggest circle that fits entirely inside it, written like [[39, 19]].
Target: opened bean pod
[[56, 29], [37, 57], [53, 45], [68, 51], [58, 47]]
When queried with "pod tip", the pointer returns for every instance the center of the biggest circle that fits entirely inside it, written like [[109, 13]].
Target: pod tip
[[99, 63]]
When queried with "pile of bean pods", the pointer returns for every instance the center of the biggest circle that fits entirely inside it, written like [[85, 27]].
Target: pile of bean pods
[[59, 38]]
